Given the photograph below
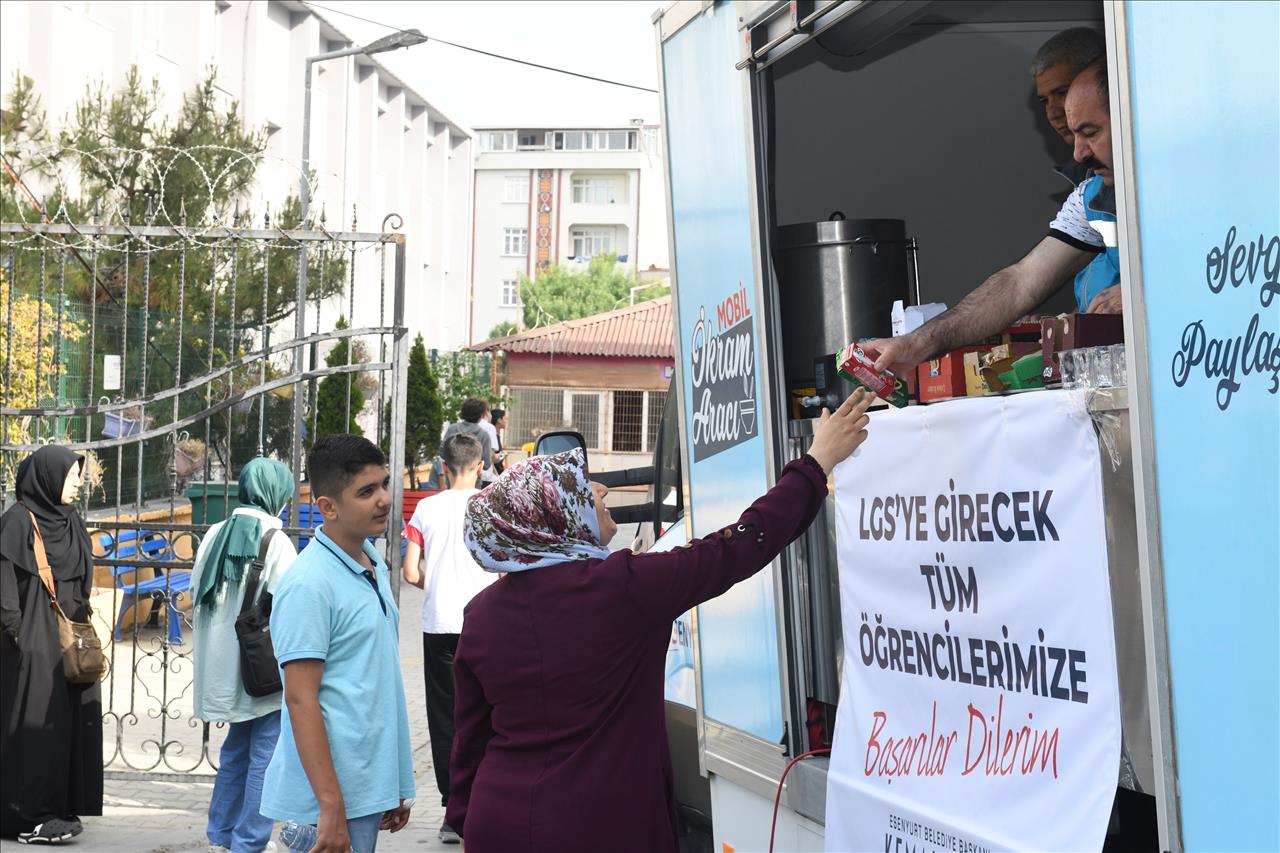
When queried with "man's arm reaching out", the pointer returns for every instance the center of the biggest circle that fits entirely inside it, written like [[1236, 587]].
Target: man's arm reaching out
[[1005, 296]]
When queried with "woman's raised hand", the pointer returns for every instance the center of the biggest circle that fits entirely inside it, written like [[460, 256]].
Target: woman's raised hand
[[837, 435]]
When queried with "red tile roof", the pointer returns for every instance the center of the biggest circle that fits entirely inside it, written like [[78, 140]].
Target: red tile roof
[[637, 331]]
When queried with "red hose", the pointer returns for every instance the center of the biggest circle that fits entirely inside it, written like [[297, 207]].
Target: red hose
[[773, 826]]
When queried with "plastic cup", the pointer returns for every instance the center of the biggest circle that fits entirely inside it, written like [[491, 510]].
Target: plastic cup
[[1080, 358], [1067, 368], [1119, 368], [1099, 360]]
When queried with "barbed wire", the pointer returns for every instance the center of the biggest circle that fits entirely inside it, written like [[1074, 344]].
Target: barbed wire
[[58, 171]]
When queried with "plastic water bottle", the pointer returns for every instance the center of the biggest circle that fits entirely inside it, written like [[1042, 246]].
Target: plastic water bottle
[[298, 837]]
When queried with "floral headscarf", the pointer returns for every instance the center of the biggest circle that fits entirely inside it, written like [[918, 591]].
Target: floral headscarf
[[539, 513]]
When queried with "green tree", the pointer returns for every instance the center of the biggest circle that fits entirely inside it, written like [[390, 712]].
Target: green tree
[[119, 158], [463, 375], [339, 393], [563, 293], [502, 330], [424, 413], [424, 410]]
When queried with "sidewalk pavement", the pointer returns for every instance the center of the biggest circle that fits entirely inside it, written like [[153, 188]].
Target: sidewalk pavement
[[166, 814]]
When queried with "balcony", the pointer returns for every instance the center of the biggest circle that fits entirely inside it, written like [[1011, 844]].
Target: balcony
[[585, 241]]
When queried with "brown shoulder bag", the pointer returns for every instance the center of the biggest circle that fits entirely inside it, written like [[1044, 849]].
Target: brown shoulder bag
[[82, 659]]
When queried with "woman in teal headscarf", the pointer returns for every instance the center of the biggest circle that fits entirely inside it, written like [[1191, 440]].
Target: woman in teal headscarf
[[222, 566]]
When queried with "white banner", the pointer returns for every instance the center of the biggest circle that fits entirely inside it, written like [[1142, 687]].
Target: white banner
[[979, 708]]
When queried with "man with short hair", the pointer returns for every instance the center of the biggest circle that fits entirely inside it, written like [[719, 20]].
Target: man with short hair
[[1082, 234], [1089, 118], [472, 413], [437, 561], [343, 763], [1056, 64]]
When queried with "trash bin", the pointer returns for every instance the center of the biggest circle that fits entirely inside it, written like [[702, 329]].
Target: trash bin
[[221, 499]]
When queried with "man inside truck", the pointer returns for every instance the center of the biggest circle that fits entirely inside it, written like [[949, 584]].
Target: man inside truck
[[1083, 234], [1056, 64]]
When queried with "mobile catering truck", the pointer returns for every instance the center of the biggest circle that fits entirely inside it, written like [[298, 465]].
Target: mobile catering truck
[[1080, 646]]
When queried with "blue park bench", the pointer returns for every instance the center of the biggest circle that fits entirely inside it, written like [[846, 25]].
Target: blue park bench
[[144, 545]]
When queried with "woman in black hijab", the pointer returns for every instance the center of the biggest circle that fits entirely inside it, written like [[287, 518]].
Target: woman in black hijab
[[51, 741]]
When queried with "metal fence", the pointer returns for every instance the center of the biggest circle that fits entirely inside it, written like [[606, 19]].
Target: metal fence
[[170, 354], [611, 421]]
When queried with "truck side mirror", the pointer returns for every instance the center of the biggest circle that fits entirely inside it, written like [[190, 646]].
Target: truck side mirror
[[550, 443]]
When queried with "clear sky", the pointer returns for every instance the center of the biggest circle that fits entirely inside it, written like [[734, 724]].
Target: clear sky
[[613, 39]]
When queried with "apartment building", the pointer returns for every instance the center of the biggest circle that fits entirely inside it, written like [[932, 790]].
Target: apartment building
[[561, 195], [378, 146]]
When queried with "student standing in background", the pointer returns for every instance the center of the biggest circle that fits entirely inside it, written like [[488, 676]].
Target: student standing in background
[[473, 413], [219, 583], [438, 562]]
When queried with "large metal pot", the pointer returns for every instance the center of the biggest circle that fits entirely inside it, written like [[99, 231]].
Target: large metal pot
[[837, 282]]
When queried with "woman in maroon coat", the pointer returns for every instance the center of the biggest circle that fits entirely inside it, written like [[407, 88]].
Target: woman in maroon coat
[[560, 740]]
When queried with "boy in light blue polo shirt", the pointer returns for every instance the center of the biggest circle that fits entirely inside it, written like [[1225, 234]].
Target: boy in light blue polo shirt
[[343, 762]]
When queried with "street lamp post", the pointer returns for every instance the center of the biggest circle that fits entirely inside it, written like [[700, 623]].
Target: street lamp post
[[395, 41]]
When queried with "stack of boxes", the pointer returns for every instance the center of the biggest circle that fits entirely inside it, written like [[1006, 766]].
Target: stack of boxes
[[960, 373], [1076, 331]]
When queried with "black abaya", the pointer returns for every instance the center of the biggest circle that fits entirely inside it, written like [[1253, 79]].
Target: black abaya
[[51, 740]]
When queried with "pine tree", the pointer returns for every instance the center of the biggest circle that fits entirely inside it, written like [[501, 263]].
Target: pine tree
[[424, 411], [332, 396]]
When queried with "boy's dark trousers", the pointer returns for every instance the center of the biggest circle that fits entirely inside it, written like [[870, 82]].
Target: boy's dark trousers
[[437, 669]]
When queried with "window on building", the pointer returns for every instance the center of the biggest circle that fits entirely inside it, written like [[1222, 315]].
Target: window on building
[[598, 189], [628, 421], [652, 141], [515, 188], [530, 140], [594, 140], [584, 415], [615, 140], [515, 242], [655, 402], [532, 412], [573, 140], [510, 293], [612, 421], [498, 140], [636, 416], [589, 242]]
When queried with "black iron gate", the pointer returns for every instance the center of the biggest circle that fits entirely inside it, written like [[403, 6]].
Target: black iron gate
[[171, 354]]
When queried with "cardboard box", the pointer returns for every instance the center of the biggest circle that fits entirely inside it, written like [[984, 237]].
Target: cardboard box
[[1015, 349], [1075, 331], [991, 371], [1022, 333], [943, 378], [974, 384], [1013, 373]]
